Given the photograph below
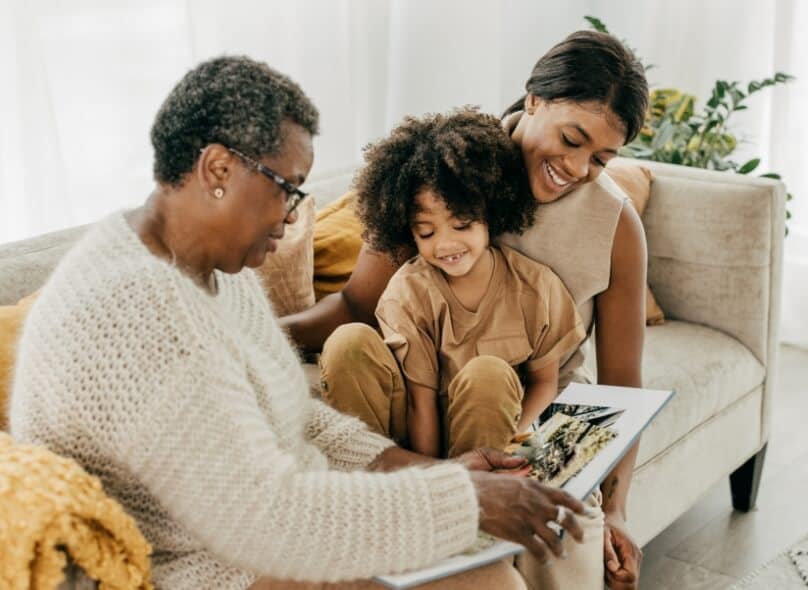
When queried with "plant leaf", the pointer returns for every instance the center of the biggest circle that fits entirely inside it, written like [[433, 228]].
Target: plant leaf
[[663, 136], [771, 175], [749, 166], [596, 24]]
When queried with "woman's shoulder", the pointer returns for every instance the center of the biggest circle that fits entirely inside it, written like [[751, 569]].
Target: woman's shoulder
[[605, 184], [110, 249], [108, 277], [601, 197]]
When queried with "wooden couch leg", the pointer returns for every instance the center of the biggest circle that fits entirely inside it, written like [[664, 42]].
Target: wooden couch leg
[[745, 480]]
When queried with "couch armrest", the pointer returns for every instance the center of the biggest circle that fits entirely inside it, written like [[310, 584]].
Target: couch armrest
[[715, 254]]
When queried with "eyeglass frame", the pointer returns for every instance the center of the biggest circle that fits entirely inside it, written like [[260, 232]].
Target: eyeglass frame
[[290, 189]]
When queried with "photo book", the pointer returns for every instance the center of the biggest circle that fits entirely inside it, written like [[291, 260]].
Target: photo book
[[578, 440]]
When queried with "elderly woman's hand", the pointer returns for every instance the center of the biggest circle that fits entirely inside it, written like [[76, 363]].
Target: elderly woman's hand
[[485, 459], [518, 509]]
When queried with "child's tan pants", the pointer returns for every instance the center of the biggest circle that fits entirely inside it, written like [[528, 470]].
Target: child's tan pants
[[360, 377]]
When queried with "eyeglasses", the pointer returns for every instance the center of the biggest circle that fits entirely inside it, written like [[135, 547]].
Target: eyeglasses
[[294, 196]]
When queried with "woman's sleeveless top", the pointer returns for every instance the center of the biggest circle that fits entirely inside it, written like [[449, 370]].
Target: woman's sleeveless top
[[574, 237]]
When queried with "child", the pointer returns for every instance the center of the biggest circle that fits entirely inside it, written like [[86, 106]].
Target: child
[[478, 330]]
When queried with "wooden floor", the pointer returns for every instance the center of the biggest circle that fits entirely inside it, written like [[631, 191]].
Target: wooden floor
[[711, 546]]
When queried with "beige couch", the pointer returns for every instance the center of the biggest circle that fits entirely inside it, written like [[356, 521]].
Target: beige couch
[[715, 244]]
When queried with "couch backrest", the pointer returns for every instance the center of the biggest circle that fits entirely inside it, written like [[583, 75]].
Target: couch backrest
[[25, 265], [714, 252]]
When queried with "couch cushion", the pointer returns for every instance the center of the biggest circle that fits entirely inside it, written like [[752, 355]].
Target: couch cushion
[[709, 371], [337, 242], [715, 251]]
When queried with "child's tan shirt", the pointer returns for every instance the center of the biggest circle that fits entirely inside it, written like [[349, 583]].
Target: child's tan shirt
[[526, 317]]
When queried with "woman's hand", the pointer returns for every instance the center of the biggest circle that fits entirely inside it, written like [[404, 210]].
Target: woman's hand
[[518, 509], [485, 459], [621, 555]]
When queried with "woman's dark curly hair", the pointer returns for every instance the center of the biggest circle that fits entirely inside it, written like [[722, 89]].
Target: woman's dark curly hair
[[235, 101], [465, 157]]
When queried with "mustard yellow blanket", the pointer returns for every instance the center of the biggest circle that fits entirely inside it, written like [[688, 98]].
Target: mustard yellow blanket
[[50, 508]]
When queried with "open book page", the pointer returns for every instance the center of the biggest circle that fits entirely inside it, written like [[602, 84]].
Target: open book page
[[580, 438]]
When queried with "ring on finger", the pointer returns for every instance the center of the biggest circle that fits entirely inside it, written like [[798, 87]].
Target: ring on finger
[[561, 515]]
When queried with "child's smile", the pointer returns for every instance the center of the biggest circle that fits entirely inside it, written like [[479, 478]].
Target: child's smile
[[452, 258], [453, 245]]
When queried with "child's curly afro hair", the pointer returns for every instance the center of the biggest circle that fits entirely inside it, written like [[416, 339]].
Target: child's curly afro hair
[[464, 156]]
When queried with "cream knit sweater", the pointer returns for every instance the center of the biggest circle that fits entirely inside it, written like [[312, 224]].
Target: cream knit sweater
[[194, 412]]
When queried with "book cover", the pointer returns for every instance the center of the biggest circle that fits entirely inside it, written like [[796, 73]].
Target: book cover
[[580, 438]]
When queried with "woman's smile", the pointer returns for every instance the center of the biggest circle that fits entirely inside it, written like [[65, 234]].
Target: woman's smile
[[555, 178]]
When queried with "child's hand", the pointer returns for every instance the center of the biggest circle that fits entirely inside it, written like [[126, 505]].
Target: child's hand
[[522, 436], [485, 459]]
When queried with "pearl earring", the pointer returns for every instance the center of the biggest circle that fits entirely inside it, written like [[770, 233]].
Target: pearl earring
[[218, 192]]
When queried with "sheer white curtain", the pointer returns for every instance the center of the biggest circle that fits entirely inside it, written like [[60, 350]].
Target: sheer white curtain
[[83, 80]]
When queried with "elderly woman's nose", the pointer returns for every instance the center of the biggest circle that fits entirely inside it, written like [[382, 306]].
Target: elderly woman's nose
[[291, 217]]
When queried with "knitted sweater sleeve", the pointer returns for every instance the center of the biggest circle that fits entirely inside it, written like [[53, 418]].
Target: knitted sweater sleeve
[[218, 470], [198, 440], [345, 440]]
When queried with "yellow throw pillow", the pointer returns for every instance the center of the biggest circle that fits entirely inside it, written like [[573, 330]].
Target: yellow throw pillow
[[11, 320], [287, 273], [636, 183], [337, 241]]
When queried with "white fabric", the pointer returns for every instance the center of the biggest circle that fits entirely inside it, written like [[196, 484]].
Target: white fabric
[[194, 412]]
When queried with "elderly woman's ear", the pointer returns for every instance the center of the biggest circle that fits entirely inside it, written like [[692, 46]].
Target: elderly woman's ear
[[213, 170]]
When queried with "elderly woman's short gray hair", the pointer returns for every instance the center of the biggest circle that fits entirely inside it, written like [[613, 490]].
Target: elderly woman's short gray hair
[[235, 101]]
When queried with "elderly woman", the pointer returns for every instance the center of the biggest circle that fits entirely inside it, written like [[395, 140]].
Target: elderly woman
[[153, 358]]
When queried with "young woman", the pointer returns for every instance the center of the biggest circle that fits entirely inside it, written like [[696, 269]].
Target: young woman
[[585, 99]]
